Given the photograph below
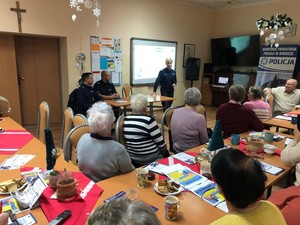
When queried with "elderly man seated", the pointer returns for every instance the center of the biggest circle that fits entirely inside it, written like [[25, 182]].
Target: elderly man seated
[[144, 140], [286, 98]]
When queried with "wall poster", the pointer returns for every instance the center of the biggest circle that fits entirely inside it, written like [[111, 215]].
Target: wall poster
[[106, 54]]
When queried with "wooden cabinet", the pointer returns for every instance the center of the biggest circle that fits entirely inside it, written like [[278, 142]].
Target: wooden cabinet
[[215, 91], [206, 88]]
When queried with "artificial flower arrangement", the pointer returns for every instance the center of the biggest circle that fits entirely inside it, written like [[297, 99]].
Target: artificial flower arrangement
[[275, 23]]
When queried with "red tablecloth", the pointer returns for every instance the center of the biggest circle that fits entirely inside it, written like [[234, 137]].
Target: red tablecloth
[[12, 140], [80, 207]]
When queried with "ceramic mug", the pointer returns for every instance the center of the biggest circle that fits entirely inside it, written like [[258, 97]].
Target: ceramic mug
[[235, 139], [268, 137], [171, 206]]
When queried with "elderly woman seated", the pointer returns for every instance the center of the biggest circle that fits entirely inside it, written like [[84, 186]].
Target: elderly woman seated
[[262, 109], [99, 157], [241, 181], [144, 140], [187, 126], [236, 118]]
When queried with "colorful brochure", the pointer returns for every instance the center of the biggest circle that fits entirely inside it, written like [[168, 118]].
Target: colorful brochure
[[183, 175], [209, 192]]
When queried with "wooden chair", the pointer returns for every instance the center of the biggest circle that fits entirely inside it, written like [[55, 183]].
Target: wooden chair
[[201, 110], [79, 119], [43, 120], [127, 92], [270, 100], [166, 121], [120, 130], [67, 124], [71, 141]]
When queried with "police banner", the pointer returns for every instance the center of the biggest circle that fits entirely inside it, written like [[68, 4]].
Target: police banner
[[276, 65]]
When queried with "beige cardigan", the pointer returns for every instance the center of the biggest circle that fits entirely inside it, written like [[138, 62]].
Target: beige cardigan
[[291, 156]]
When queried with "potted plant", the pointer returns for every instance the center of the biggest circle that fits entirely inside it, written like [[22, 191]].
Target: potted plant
[[53, 178], [66, 185]]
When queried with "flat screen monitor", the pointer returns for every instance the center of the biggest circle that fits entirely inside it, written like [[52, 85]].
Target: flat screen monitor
[[236, 51], [223, 80]]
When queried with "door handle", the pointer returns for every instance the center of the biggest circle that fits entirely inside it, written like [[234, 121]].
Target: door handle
[[20, 79]]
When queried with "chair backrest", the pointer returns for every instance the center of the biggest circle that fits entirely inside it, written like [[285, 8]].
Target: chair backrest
[[43, 120], [166, 119], [79, 119], [270, 100], [71, 141], [120, 130], [126, 90], [201, 110], [67, 124]]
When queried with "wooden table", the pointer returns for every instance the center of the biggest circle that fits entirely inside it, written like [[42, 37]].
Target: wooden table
[[280, 123], [126, 102], [192, 208], [273, 160], [37, 148]]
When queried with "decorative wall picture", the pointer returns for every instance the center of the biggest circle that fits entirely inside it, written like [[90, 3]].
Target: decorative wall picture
[[189, 52]]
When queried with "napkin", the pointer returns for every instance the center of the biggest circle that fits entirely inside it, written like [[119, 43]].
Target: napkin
[[12, 140], [81, 206]]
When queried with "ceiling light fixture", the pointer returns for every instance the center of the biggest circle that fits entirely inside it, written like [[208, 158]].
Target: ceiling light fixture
[[89, 4], [279, 24]]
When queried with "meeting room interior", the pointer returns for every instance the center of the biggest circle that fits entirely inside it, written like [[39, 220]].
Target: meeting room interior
[[46, 45]]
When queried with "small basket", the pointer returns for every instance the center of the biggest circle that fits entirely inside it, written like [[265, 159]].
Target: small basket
[[255, 146]]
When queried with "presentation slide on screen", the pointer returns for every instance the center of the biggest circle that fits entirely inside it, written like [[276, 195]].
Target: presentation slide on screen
[[148, 58]]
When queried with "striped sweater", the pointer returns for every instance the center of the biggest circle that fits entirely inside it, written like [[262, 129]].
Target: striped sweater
[[143, 138]]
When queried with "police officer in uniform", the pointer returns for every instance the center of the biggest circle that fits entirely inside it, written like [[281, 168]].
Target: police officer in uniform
[[85, 93], [167, 80]]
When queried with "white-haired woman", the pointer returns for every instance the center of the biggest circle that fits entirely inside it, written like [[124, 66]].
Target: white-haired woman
[[187, 126], [124, 211], [144, 141], [99, 157]]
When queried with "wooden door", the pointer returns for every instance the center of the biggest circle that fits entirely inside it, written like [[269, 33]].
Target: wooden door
[[38, 71], [8, 77]]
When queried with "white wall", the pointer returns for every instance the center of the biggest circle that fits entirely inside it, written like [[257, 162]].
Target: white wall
[[153, 19]]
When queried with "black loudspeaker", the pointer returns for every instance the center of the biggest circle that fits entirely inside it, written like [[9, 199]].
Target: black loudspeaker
[[192, 69], [208, 68]]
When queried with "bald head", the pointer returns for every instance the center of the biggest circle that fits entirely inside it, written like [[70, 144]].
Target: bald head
[[105, 76], [290, 85]]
